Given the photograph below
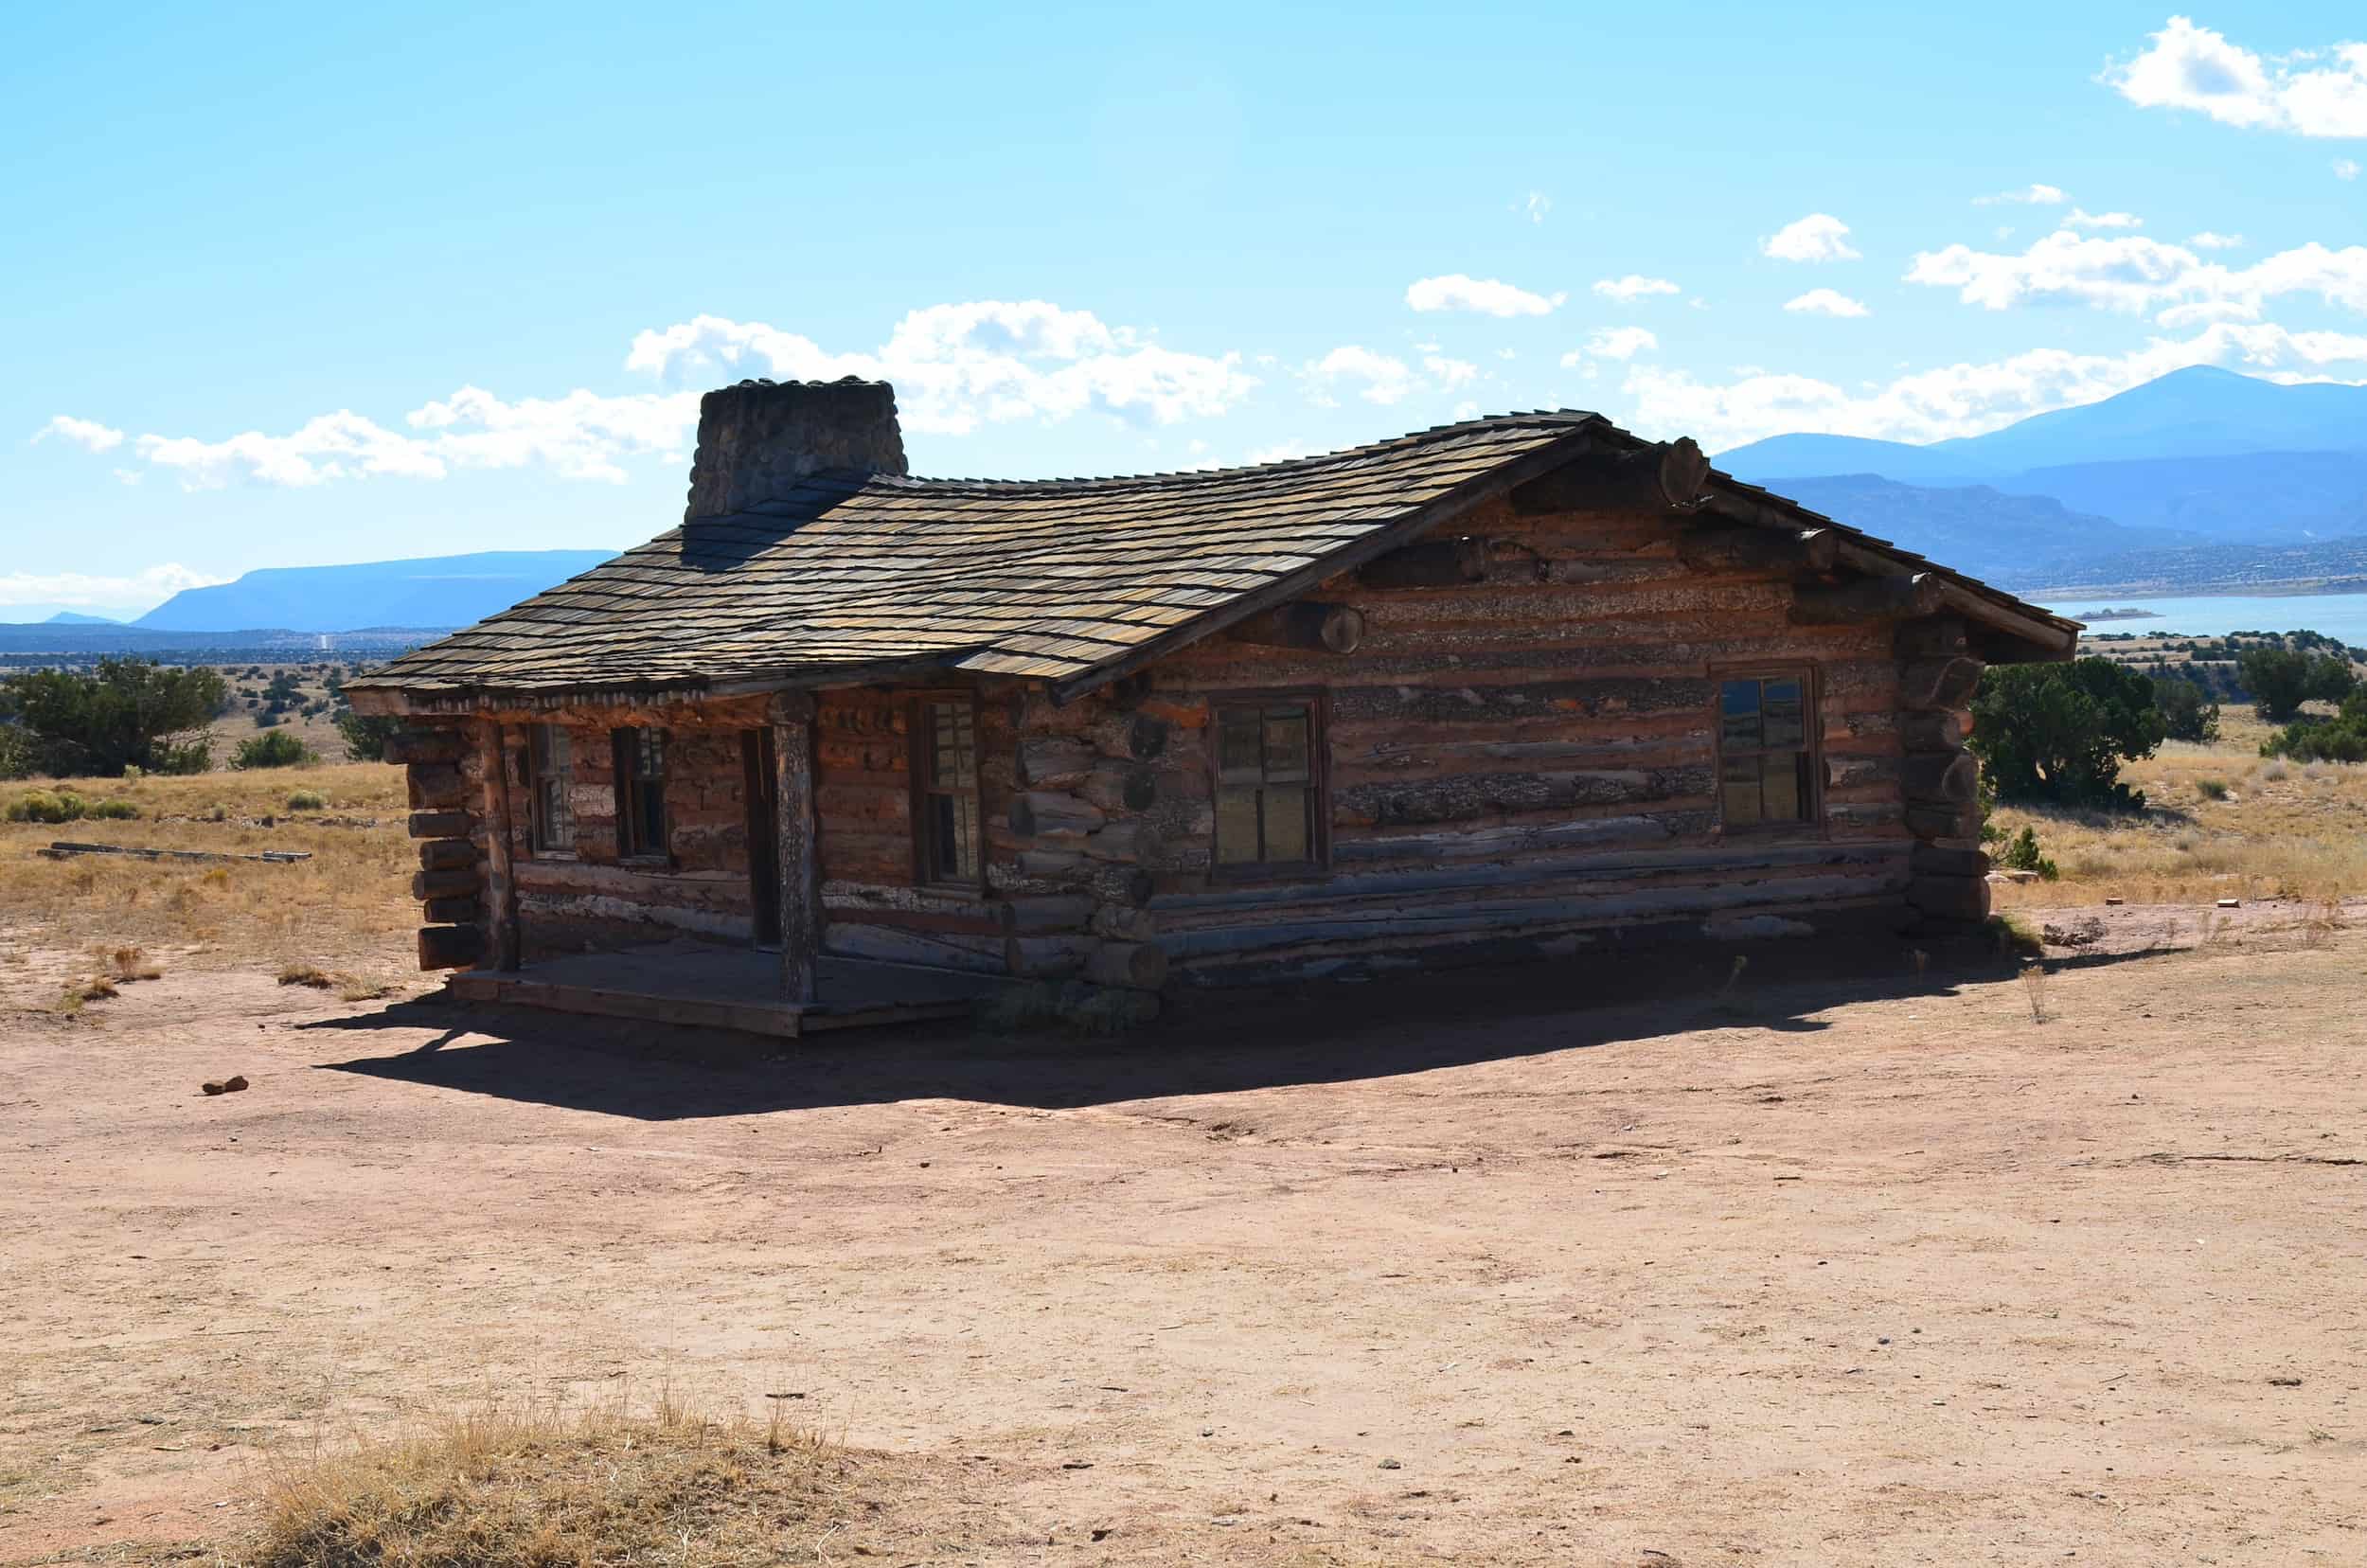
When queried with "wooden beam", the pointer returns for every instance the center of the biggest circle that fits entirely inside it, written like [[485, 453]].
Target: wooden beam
[[1434, 563], [1867, 600], [450, 947], [1743, 549], [1318, 628], [415, 746], [800, 877], [441, 825], [1941, 683], [501, 887], [1137, 966], [1671, 476], [1942, 779]]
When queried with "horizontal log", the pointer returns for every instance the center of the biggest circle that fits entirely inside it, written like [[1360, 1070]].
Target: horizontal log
[[1049, 813], [1517, 840], [1673, 475], [1317, 628], [1941, 778], [1942, 682], [1867, 600], [1435, 563], [444, 884], [450, 946], [977, 923], [1050, 863], [1950, 898], [435, 784], [463, 909], [1744, 549], [1944, 822], [1931, 730], [1933, 637], [1137, 965], [443, 854], [937, 950], [1492, 704], [1930, 860], [1139, 736], [1047, 958], [1135, 842], [1119, 787], [1127, 886], [1055, 761], [427, 745], [441, 825], [1121, 923], [1469, 795], [1047, 911]]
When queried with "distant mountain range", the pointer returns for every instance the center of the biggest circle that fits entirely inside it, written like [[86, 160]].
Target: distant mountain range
[[2203, 479], [434, 592]]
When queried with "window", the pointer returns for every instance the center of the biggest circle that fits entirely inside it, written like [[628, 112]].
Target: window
[[945, 791], [640, 793], [1766, 760], [550, 775], [1271, 813]]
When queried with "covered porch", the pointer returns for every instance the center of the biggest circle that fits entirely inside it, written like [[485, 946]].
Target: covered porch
[[701, 986]]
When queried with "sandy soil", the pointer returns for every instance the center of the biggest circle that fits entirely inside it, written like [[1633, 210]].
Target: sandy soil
[[1819, 1270]]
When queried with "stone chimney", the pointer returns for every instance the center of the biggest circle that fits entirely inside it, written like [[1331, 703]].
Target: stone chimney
[[758, 439]]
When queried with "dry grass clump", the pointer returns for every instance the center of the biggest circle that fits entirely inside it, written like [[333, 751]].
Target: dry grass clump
[[306, 974], [546, 1490], [352, 898], [350, 988], [2224, 822]]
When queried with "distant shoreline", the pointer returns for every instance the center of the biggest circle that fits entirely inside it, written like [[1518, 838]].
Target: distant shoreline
[[2289, 588], [2129, 612]]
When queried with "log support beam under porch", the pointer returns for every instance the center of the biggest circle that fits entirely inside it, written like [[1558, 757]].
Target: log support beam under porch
[[800, 880]]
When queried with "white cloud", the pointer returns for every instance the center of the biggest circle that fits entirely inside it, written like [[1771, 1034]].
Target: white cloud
[[1965, 400], [1385, 378], [2037, 195], [2192, 68], [1487, 295], [1281, 451], [2082, 218], [1536, 205], [1450, 373], [1819, 237], [2346, 168], [2209, 240], [1628, 290], [87, 433], [2133, 273], [144, 589], [956, 366], [1829, 302], [1619, 342]]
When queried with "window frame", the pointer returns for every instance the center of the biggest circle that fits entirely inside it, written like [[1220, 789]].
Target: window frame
[[539, 846], [628, 784], [1811, 823], [1317, 700], [920, 751]]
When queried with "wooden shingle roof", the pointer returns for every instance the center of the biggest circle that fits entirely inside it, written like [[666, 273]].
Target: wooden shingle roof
[[853, 578]]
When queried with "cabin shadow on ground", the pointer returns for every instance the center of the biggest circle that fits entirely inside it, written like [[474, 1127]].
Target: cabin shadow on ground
[[1218, 1043]]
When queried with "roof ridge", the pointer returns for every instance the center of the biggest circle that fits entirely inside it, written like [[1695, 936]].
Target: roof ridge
[[1570, 417]]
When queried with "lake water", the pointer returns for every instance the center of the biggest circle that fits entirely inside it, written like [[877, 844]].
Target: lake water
[[2343, 616]]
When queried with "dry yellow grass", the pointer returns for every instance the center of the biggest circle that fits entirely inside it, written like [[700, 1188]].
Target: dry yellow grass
[[2222, 822], [549, 1491], [349, 905]]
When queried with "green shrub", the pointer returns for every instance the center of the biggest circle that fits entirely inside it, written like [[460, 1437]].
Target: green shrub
[[274, 749], [2213, 789], [2021, 853], [65, 806], [308, 800], [2281, 680], [2342, 739], [2059, 732], [366, 735], [2187, 712], [122, 713]]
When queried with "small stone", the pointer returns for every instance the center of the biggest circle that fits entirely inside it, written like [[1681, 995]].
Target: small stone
[[232, 1084], [2231, 904], [213, 1087], [1390, 1464]]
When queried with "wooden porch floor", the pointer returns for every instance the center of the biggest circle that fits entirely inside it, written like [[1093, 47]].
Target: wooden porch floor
[[719, 988]]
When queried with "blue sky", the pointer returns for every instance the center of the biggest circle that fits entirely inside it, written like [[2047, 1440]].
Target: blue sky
[[310, 284]]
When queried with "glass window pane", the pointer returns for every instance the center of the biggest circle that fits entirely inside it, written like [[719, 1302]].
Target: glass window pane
[[1236, 826], [1240, 746], [1786, 715], [1286, 749], [952, 752], [1287, 825], [1738, 791], [1780, 784], [1739, 714]]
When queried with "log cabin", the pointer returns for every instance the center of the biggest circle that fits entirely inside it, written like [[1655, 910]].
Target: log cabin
[[1525, 684]]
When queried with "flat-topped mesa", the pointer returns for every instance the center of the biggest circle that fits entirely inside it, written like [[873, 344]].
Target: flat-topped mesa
[[758, 439]]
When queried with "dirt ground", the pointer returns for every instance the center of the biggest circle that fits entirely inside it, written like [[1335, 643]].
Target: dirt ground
[[1859, 1268]]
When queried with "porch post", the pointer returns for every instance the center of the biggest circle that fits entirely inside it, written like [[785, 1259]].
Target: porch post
[[801, 876], [501, 883]]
